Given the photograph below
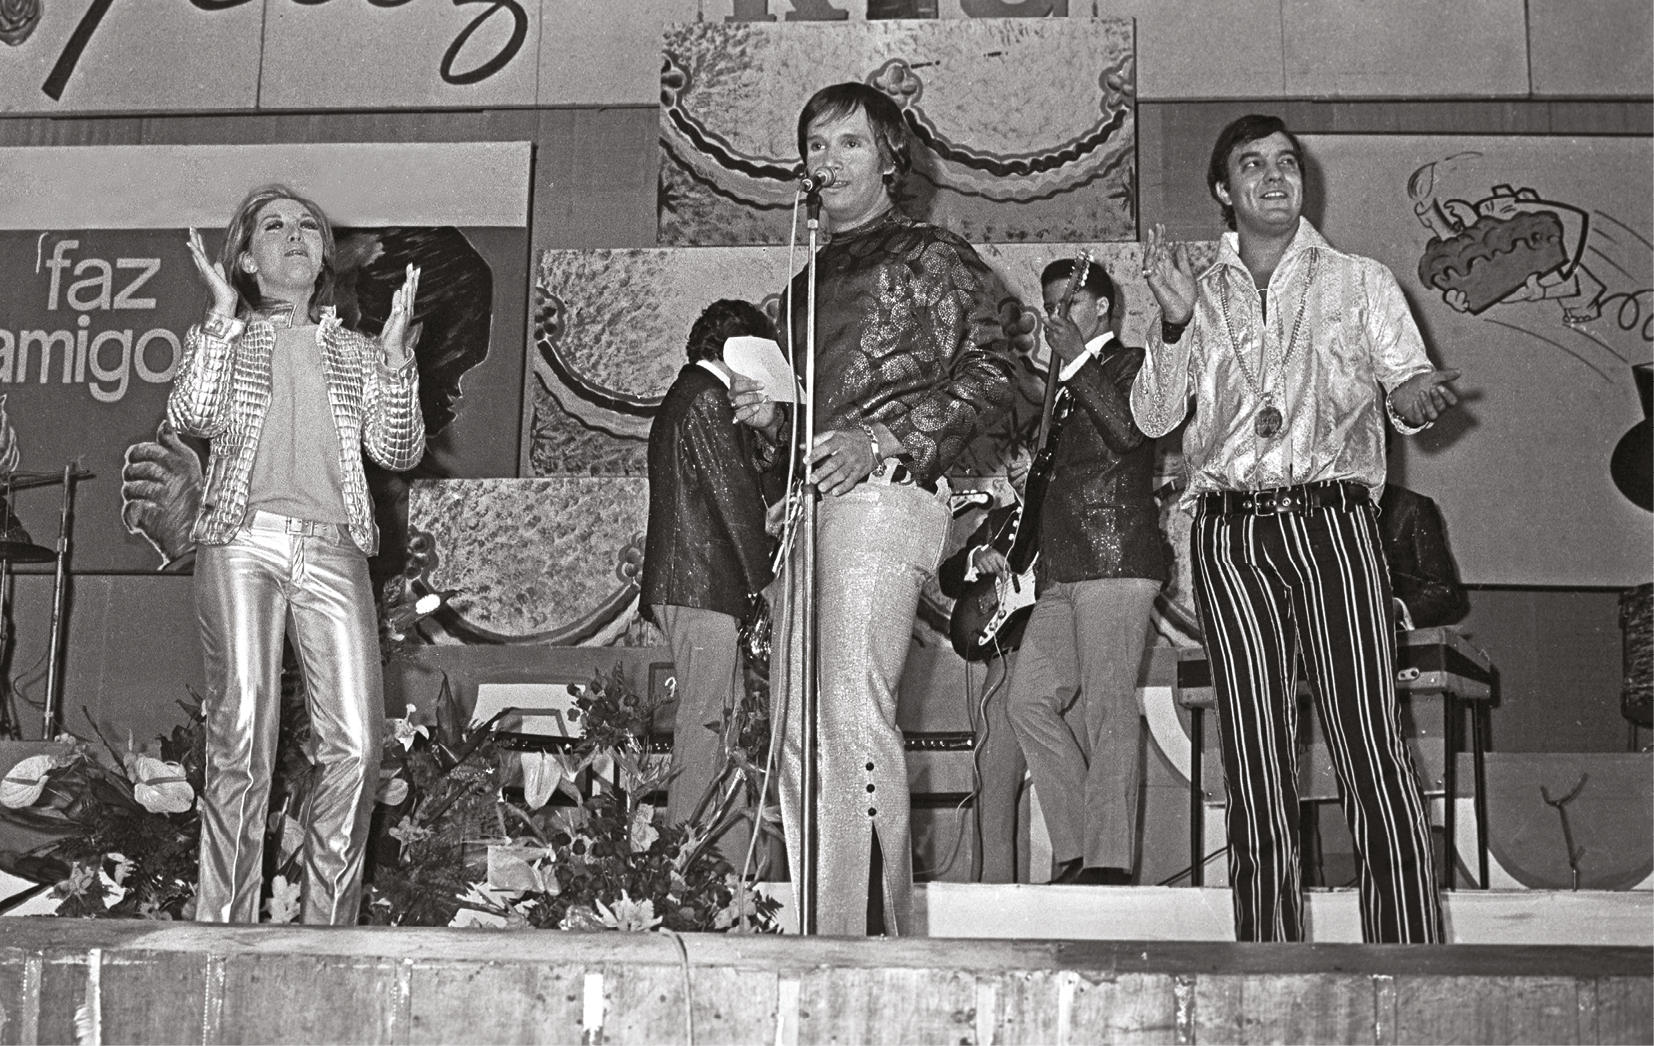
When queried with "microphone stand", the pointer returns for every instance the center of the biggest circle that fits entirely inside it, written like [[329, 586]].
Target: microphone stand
[[808, 834]]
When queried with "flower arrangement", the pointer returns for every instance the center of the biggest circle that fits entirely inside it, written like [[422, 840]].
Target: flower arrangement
[[467, 830], [461, 853], [123, 825]]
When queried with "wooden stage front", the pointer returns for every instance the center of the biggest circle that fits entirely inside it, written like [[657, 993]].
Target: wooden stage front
[[160, 982]]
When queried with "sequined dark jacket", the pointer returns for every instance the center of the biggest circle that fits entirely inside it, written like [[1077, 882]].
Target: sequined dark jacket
[[908, 334], [706, 545], [1422, 572], [1100, 519]]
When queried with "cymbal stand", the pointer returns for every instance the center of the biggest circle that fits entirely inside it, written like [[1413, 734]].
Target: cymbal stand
[[9, 727], [52, 716]]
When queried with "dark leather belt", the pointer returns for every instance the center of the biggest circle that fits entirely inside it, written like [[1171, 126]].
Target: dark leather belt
[[902, 474], [1306, 497]]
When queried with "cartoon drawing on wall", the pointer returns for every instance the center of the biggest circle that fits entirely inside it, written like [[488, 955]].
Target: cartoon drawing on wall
[[1514, 245], [1509, 246]]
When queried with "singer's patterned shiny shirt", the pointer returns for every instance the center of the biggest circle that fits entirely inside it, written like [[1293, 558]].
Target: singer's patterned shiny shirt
[[1357, 342], [222, 393], [908, 334]]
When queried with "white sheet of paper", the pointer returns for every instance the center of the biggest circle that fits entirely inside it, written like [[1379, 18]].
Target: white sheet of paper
[[760, 359]]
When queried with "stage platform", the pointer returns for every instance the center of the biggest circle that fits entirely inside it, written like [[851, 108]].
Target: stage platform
[[149, 982]]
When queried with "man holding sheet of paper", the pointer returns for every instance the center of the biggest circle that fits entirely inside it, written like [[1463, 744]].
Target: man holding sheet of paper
[[706, 552]]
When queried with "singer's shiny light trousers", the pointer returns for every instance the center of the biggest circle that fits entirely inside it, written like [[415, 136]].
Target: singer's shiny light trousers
[[248, 592], [875, 548]]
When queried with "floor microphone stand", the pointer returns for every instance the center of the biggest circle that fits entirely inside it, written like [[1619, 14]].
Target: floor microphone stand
[[808, 784]]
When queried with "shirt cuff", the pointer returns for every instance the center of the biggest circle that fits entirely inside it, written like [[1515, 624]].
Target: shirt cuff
[[971, 573], [1401, 424], [222, 328], [1073, 367]]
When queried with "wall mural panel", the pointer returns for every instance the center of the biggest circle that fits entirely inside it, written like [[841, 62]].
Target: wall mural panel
[[92, 332], [1529, 263], [531, 560], [1028, 124]]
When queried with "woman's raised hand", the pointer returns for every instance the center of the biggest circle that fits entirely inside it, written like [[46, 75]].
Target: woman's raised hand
[[394, 337], [224, 296]]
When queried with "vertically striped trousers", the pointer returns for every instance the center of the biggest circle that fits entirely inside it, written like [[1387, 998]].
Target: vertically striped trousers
[[1271, 589]]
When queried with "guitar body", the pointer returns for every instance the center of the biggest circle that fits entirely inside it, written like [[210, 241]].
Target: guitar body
[[988, 619]]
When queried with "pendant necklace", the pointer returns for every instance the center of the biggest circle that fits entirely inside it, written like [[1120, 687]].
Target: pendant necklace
[[1267, 421]]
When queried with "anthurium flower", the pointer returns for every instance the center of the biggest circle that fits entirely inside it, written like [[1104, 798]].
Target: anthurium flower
[[517, 868], [393, 789], [161, 787], [25, 781]]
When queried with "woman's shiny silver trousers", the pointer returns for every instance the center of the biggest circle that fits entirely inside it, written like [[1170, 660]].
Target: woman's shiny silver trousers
[[311, 576]]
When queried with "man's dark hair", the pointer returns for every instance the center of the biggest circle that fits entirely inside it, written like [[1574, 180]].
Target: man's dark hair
[[1248, 128], [883, 116], [724, 319], [1096, 280]]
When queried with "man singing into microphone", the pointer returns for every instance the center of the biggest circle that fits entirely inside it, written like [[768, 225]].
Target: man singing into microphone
[[911, 359]]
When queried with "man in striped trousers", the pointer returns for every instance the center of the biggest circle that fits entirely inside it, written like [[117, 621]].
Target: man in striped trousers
[[1295, 354]]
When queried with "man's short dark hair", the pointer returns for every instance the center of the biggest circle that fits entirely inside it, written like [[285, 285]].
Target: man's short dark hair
[[883, 116], [724, 319], [1248, 128], [1096, 280]]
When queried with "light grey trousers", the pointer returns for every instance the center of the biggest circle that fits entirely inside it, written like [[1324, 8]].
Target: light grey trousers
[[247, 593], [875, 548], [706, 662], [1084, 641]]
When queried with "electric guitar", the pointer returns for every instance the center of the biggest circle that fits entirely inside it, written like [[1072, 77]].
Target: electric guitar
[[988, 618]]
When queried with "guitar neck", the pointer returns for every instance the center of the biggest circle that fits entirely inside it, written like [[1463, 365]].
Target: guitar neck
[[1050, 403]]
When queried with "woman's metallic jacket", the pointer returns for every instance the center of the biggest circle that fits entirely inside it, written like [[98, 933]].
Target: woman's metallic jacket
[[222, 393]]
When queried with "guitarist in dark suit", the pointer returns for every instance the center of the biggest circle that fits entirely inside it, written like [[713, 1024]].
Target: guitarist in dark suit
[[1101, 563], [706, 550]]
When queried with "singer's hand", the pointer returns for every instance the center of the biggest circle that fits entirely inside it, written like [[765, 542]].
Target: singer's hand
[[1166, 270], [840, 459], [161, 485], [400, 333]]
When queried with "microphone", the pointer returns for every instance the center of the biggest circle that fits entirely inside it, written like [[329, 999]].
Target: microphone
[[815, 182]]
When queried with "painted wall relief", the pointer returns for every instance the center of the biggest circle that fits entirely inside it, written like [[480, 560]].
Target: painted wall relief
[[1027, 126]]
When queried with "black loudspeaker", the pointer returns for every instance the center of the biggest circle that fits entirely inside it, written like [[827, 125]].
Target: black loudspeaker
[[1637, 627]]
